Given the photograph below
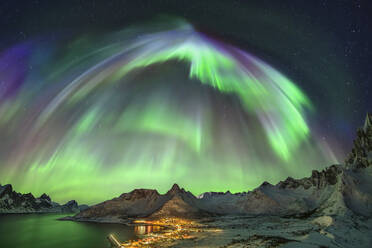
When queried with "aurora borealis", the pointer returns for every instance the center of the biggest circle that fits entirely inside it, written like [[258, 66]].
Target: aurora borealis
[[91, 113], [148, 111]]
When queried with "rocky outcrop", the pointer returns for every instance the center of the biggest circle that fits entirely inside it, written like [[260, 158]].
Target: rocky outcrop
[[318, 179], [361, 154], [14, 202]]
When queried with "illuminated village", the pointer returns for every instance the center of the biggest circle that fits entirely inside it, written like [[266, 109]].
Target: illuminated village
[[163, 231]]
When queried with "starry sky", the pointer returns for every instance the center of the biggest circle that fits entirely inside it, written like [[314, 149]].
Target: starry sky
[[100, 97]]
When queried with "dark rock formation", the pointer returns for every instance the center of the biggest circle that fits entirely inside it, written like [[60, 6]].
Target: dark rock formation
[[145, 203], [45, 197], [137, 203], [319, 179], [14, 202], [70, 207], [178, 207], [361, 154], [83, 207]]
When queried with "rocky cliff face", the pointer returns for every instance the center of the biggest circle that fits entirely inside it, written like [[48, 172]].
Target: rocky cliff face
[[361, 154], [14, 202]]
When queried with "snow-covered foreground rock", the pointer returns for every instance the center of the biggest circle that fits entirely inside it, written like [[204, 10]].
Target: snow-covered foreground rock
[[274, 231]]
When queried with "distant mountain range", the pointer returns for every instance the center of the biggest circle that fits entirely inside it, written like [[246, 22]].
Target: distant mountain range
[[14, 202], [336, 190]]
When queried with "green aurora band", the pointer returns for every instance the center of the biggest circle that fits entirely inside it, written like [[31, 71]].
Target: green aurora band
[[99, 117]]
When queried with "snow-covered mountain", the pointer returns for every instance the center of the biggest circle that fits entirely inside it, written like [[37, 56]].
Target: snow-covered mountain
[[336, 190], [179, 203], [144, 203], [14, 202]]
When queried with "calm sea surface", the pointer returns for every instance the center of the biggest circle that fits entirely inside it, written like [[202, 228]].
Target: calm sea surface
[[44, 231]]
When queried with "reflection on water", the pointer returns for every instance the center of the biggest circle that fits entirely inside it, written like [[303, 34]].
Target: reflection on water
[[146, 229], [45, 231]]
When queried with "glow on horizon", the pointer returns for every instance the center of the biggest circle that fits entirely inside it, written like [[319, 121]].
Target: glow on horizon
[[93, 133]]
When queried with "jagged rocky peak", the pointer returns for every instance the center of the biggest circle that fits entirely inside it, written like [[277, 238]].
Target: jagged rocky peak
[[178, 207], [361, 154], [289, 183], [368, 122], [14, 202], [45, 197], [139, 193], [360, 157], [179, 203], [71, 203], [265, 184], [318, 179], [326, 176], [70, 206], [211, 194], [176, 189], [6, 189]]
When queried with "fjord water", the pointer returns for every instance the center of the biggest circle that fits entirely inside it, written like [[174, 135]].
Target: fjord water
[[45, 231]]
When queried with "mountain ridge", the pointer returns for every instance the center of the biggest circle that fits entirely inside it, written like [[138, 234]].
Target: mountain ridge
[[14, 202], [337, 189]]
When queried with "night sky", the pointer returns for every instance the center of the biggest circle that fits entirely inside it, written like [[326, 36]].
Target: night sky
[[100, 97]]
